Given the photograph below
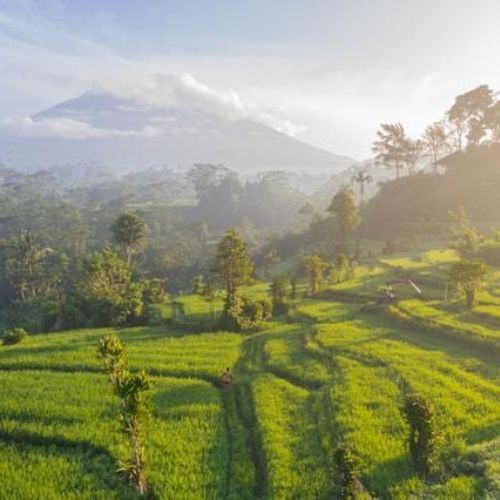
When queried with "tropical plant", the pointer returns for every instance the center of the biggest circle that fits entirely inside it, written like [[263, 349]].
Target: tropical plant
[[132, 390], [468, 274], [129, 232], [361, 178]]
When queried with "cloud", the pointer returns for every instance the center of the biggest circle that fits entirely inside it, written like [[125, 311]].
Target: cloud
[[68, 129], [149, 92]]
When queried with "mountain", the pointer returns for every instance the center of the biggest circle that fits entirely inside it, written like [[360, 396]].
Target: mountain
[[127, 134]]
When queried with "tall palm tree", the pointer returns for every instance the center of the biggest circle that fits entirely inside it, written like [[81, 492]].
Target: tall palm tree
[[361, 178]]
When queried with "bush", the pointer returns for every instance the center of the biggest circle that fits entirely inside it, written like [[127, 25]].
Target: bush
[[153, 291], [346, 464], [421, 440], [14, 336], [343, 269], [255, 311], [243, 312]]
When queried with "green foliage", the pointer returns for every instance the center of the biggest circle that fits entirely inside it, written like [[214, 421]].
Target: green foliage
[[345, 212], [315, 265], [468, 274], [346, 466], [232, 264], [242, 312], [153, 291], [233, 267], [253, 311], [112, 352], [110, 296], [132, 389], [421, 441], [334, 374], [467, 238], [342, 270], [129, 231], [467, 117], [14, 336], [279, 295]]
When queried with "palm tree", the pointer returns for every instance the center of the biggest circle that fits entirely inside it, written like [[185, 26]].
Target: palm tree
[[361, 178], [28, 258]]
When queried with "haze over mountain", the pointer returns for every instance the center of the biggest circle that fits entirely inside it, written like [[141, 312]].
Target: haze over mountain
[[127, 132]]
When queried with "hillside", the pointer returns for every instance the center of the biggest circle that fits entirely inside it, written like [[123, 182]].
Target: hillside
[[335, 371], [127, 134], [421, 204]]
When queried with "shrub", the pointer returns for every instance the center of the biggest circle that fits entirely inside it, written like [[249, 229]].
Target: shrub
[[419, 415], [14, 336], [346, 468], [153, 291], [342, 270], [243, 312]]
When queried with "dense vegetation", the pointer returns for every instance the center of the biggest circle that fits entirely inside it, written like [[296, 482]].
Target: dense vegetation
[[333, 371], [255, 346]]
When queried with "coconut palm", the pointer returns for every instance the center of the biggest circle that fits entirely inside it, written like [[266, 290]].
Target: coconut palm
[[361, 178]]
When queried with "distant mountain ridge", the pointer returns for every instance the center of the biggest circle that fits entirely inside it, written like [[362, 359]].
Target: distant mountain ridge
[[126, 135]]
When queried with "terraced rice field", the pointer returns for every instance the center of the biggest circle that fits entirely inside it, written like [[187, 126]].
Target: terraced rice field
[[335, 372]]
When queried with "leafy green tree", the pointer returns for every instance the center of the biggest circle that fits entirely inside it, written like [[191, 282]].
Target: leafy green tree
[[468, 274], [467, 118], [315, 266], [133, 391], [110, 296], [344, 211], [391, 146], [421, 441], [129, 231], [232, 266]]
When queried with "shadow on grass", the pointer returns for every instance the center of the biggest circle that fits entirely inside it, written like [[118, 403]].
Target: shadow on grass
[[388, 474], [182, 397], [94, 460]]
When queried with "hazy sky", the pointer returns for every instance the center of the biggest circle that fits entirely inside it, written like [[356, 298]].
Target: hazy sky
[[327, 71]]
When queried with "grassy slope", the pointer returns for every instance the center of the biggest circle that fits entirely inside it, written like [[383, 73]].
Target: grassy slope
[[338, 373]]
